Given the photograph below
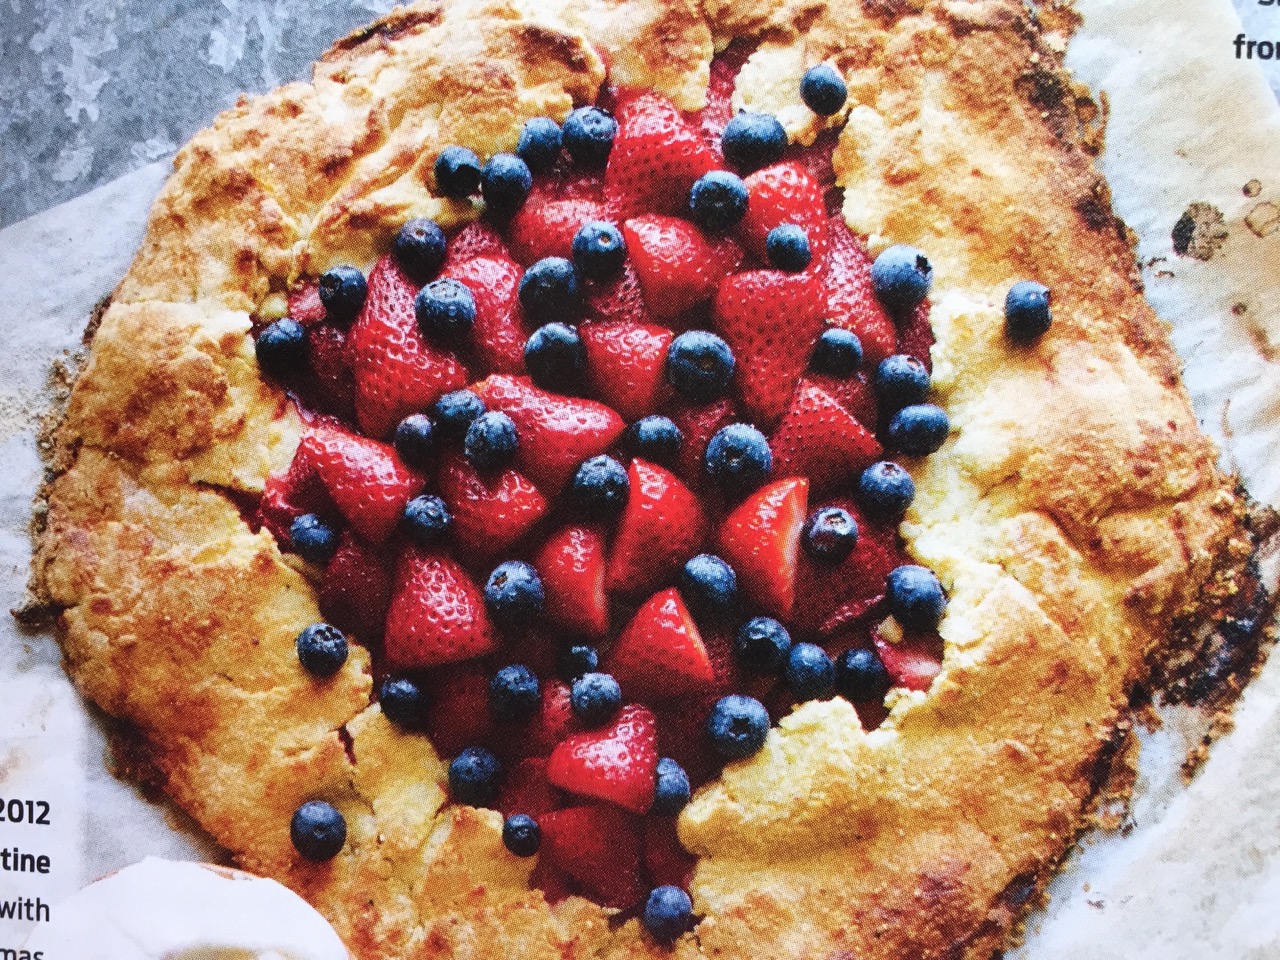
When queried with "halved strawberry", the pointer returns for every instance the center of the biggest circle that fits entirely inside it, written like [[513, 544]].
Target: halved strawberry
[[656, 157], [913, 663], [499, 333], [853, 393], [354, 592], [545, 227], [458, 713], [851, 301], [571, 565], [617, 763], [437, 614], [599, 848], [819, 439], [526, 790], [490, 512], [626, 364], [476, 239], [396, 371], [699, 425], [365, 478], [915, 338], [660, 653], [661, 527], [665, 857], [331, 388], [554, 720], [785, 193], [292, 492], [305, 305], [618, 298], [678, 265], [761, 541]]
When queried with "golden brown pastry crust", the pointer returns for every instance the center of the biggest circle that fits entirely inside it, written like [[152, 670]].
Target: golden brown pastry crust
[[1074, 513]]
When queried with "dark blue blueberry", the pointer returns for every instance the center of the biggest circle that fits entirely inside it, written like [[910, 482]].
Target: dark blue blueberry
[[829, 534], [861, 676], [787, 247], [514, 693], [415, 441], [901, 380], [810, 673], [513, 594], [916, 598], [555, 357], [761, 645], [672, 792], [427, 520], [318, 830], [919, 430], [594, 698], [668, 914], [901, 277], [885, 490], [753, 140], [454, 412], [322, 649], [588, 136], [718, 201], [600, 488], [446, 312], [281, 348], [575, 660], [709, 586], [404, 702], [598, 250], [549, 291], [521, 835], [491, 441], [738, 726], [1027, 311], [738, 458], [457, 172], [419, 248], [312, 539], [823, 89], [656, 439], [838, 353], [342, 291], [699, 366], [539, 145], [474, 777], [505, 183]]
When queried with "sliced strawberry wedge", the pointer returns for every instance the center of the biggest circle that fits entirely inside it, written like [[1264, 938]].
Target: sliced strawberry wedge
[[499, 334], [618, 298], [599, 848], [785, 193], [761, 541], [547, 228], [617, 763], [819, 439], [915, 338], [660, 653], [666, 859], [458, 709], [355, 592], [571, 565], [661, 527], [526, 790], [625, 365], [854, 394], [476, 239], [305, 305], [437, 615], [292, 492], [553, 722], [678, 265], [656, 157], [913, 663], [365, 478], [851, 301], [490, 512], [699, 425]]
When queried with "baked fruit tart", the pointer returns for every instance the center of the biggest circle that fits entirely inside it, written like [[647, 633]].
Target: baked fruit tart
[[613, 479]]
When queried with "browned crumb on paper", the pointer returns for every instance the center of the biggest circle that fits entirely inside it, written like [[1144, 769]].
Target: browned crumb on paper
[[1199, 232]]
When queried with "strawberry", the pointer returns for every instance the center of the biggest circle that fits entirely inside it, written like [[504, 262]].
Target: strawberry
[[437, 614], [458, 712], [396, 371], [617, 763], [545, 227], [292, 492], [916, 336], [354, 592], [305, 305], [912, 663], [662, 526], [771, 320], [656, 157], [365, 478], [785, 193], [499, 333], [678, 265], [572, 564], [617, 298], [476, 239], [761, 541], [490, 511], [556, 432], [817, 438], [660, 653], [554, 721], [699, 425], [626, 364], [854, 394], [599, 848], [851, 301], [665, 858], [526, 790]]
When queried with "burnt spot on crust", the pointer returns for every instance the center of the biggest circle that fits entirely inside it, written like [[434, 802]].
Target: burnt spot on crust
[[1199, 232], [134, 759], [558, 46], [394, 25]]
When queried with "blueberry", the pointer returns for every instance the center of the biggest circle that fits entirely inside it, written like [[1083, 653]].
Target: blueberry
[[549, 291], [539, 145], [718, 201], [312, 539], [600, 488], [901, 277], [699, 366], [505, 183], [861, 676], [419, 249], [594, 698], [823, 89], [919, 430], [672, 792], [555, 357], [457, 172], [521, 835], [829, 535], [738, 458], [514, 693], [322, 649], [915, 596], [575, 660], [901, 380], [1027, 313], [738, 726], [598, 250], [427, 520], [342, 291], [787, 247], [514, 594], [761, 645], [838, 353], [656, 439], [446, 312], [885, 490], [404, 702], [810, 673], [318, 830], [588, 136], [753, 140], [415, 441], [668, 914], [474, 777], [281, 348], [454, 412], [709, 586], [491, 441]]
